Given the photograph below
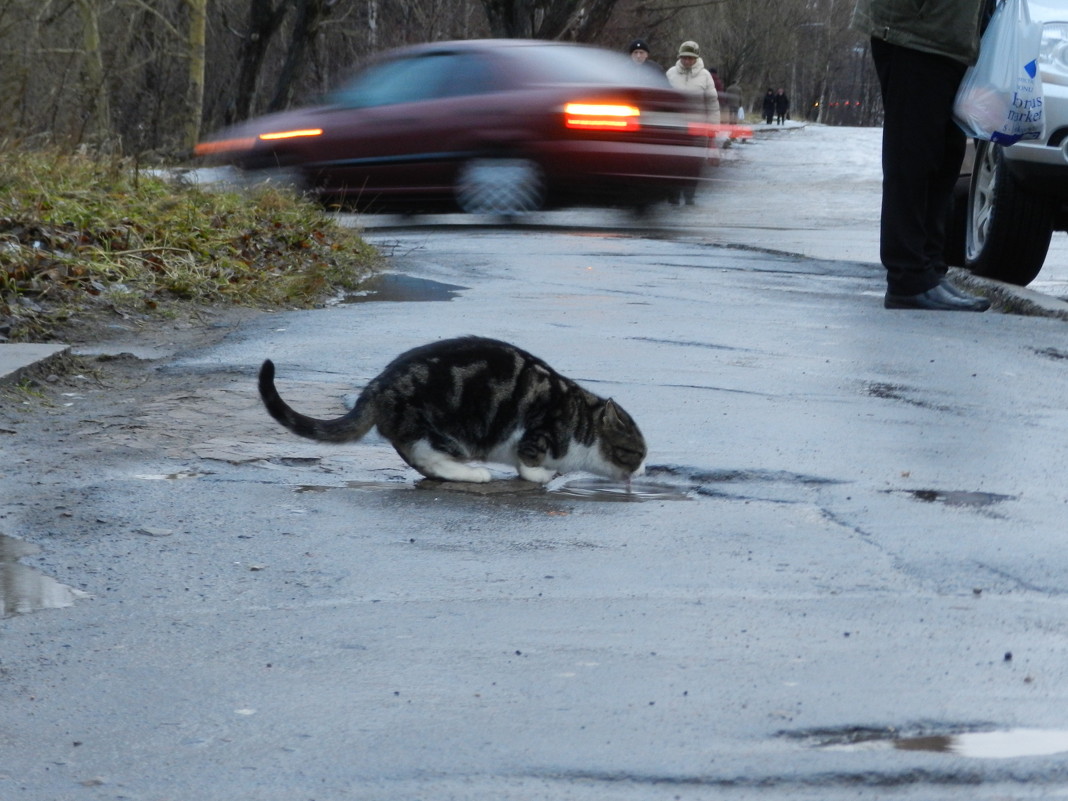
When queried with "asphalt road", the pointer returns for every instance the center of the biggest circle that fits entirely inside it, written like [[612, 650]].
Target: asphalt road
[[843, 576], [851, 535]]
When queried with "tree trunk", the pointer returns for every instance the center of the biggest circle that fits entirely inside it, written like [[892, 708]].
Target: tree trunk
[[97, 111], [310, 13], [263, 22], [574, 20], [198, 15]]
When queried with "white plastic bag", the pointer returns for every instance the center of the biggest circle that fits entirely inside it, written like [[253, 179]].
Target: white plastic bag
[[1000, 98]]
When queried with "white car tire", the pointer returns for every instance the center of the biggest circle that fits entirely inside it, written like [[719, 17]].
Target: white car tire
[[500, 186]]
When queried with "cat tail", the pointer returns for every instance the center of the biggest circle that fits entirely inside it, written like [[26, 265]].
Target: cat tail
[[347, 428]]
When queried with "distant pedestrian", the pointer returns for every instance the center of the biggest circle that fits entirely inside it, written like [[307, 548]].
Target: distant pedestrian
[[689, 75], [733, 97], [782, 106], [769, 106], [720, 89], [639, 54]]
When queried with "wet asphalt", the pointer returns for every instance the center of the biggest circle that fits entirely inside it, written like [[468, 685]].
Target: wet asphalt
[[849, 541], [841, 577]]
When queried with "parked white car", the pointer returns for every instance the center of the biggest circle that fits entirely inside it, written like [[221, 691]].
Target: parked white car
[[1017, 196]]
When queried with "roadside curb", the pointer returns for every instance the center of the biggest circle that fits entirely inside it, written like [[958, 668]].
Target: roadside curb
[[1013, 299], [16, 360]]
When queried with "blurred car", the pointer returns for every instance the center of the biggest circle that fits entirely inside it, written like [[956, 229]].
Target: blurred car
[[486, 125], [1011, 199]]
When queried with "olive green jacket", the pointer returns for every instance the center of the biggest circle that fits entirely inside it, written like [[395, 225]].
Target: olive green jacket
[[944, 27]]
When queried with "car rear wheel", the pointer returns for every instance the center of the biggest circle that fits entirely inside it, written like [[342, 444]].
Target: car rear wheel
[[1008, 229], [500, 186]]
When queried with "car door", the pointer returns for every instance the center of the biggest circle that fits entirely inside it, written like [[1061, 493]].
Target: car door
[[400, 128]]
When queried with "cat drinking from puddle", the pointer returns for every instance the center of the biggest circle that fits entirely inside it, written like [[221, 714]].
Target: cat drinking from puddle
[[472, 399]]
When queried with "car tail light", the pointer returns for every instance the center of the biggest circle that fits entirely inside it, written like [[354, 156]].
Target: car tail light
[[223, 146], [274, 135], [601, 116], [248, 142]]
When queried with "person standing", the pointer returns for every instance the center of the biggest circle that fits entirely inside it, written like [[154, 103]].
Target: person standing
[[782, 106], [689, 75], [734, 103], [639, 54], [920, 58], [769, 106]]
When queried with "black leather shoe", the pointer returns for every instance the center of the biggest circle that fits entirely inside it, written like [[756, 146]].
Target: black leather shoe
[[938, 298], [953, 289]]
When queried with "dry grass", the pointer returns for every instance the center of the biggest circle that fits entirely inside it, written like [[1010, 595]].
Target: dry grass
[[78, 234]]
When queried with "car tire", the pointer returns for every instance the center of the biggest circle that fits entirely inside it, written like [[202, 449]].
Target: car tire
[[506, 186], [1008, 229], [957, 224]]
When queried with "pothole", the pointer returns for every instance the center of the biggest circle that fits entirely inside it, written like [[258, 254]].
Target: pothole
[[23, 589], [975, 500], [394, 287], [1000, 744]]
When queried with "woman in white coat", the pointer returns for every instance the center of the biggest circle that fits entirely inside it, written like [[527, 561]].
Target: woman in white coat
[[689, 75]]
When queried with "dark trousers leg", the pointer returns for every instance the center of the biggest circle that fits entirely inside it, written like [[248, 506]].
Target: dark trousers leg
[[922, 153]]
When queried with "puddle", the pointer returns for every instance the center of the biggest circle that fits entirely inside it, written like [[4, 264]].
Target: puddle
[[660, 483], [360, 485], [992, 744], [1005, 744], [180, 476], [974, 500], [397, 288], [23, 589], [593, 489]]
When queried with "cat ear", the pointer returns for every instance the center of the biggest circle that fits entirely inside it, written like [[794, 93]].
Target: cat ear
[[611, 413]]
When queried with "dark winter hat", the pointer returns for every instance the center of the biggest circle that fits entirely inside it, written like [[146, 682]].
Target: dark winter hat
[[689, 49], [638, 44]]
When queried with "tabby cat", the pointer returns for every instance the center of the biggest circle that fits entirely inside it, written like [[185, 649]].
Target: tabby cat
[[474, 399]]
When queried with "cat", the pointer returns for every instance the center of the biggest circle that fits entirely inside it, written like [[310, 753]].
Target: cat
[[451, 402]]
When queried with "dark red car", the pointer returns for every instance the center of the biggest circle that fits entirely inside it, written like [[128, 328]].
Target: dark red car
[[486, 125]]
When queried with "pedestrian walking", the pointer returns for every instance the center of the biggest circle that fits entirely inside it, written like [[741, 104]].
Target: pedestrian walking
[[769, 106], [689, 75], [639, 54], [920, 58], [782, 107], [733, 95]]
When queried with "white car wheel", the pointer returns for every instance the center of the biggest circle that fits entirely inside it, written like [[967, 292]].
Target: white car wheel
[[500, 186]]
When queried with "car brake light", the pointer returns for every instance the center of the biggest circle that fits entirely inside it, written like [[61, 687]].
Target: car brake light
[[601, 117], [270, 137], [223, 145]]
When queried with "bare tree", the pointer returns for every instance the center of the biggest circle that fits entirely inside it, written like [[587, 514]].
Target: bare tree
[[264, 20], [96, 110], [575, 20], [310, 15], [198, 17]]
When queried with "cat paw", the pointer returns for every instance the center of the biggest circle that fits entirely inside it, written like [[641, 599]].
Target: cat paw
[[460, 472], [539, 475]]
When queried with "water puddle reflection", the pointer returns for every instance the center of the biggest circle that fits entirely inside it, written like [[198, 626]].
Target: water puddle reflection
[[394, 287], [593, 489], [23, 589], [360, 485], [974, 500], [992, 744], [180, 476], [1004, 744]]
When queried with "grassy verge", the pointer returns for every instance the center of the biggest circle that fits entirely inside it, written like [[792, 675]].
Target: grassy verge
[[81, 235]]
